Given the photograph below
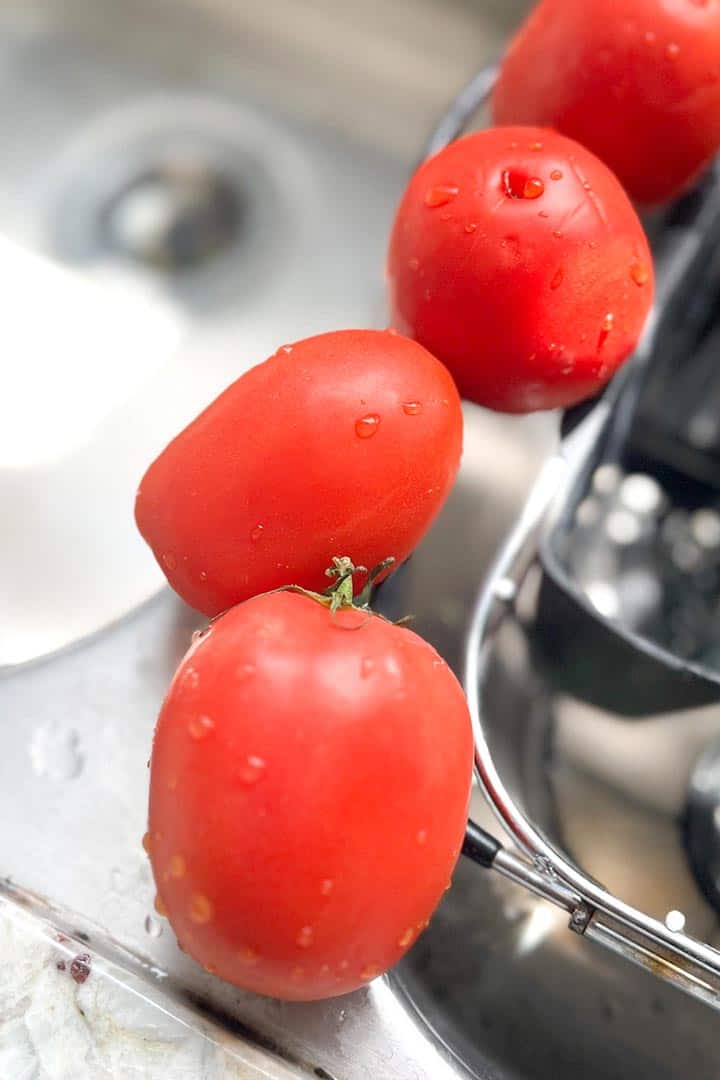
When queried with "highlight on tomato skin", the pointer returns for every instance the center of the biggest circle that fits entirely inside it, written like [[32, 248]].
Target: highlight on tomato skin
[[309, 789], [635, 81], [345, 441], [518, 260]]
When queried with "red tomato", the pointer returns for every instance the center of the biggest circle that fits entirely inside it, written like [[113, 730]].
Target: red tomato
[[518, 260], [636, 81], [308, 797], [348, 441]]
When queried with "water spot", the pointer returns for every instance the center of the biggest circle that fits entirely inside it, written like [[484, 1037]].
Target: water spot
[[305, 937], [413, 264], [422, 836], [672, 51], [248, 955], [176, 866], [343, 965], [252, 769], [556, 174], [367, 426], [640, 274], [412, 408], [605, 329], [159, 906], [650, 37], [471, 227], [256, 533], [146, 842], [200, 910], [370, 971], [169, 561], [557, 279], [55, 752], [593, 244], [211, 969], [536, 147], [327, 886], [367, 666], [152, 927], [440, 195], [558, 235], [80, 968], [203, 575], [445, 403], [406, 939], [286, 349], [190, 678], [200, 727]]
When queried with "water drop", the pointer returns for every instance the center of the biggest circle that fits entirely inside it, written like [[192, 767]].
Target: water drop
[[152, 927], [55, 752], [412, 408], [640, 274], [406, 938], [422, 836], [252, 769], [366, 426], [305, 937], [190, 678], [370, 971], [471, 227], [533, 189], [556, 174], [413, 264], [672, 51], [558, 235], [200, 910], [367, 666], [159, 906], [248, 955], [519, 186], [169, 561], [176, 866], [605, 329], [286, 349], [650, 37], [327, 886], [243, 672], [536, 146], [203, 575], [256, 533], [441, 195], [200, 635], [146, 842], [211, 969], [557, 279], [200, 727]]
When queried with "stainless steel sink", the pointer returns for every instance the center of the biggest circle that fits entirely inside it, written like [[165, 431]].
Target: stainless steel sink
[[198, 181]]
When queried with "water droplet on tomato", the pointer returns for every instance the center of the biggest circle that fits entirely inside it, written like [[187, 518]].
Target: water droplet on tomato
[[190, 679], [243, 672], [557, 279], [285, 348], [367, 666], [248, 955], [640, 274], [305, 937], [422, 836], [605, 329], [558, 235], [200, 635], [252, 769], [471, 227], [200, 727], [405, 939], [650, 37], [170, 561], [176, 866], [593, 244], [412, 408], [672, 51], [413, 264], [203, 575], [587, 185], [367, 426], [200, 910], [370, 971], [556, 174], [152, 927], [536, 146], [440, 195], [327, 886], [159, 906], [146, 841], [256, 533]]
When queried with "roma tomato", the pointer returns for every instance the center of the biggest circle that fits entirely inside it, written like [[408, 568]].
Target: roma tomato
[[348, 441], [309, 791], [517, 259], [636, 81]]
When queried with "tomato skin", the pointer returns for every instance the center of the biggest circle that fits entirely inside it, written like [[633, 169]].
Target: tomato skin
[[348, 441], [637, 82], [309, 791], [531, 295]]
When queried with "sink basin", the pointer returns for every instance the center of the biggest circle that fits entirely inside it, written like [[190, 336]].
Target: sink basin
[[200, 180]]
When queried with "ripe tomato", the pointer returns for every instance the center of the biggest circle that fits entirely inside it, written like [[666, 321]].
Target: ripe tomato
[[308, 796], [518, 260], [348, 441], [636, 81]]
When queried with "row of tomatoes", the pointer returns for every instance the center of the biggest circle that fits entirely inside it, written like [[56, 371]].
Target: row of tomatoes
[[312, 762]]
